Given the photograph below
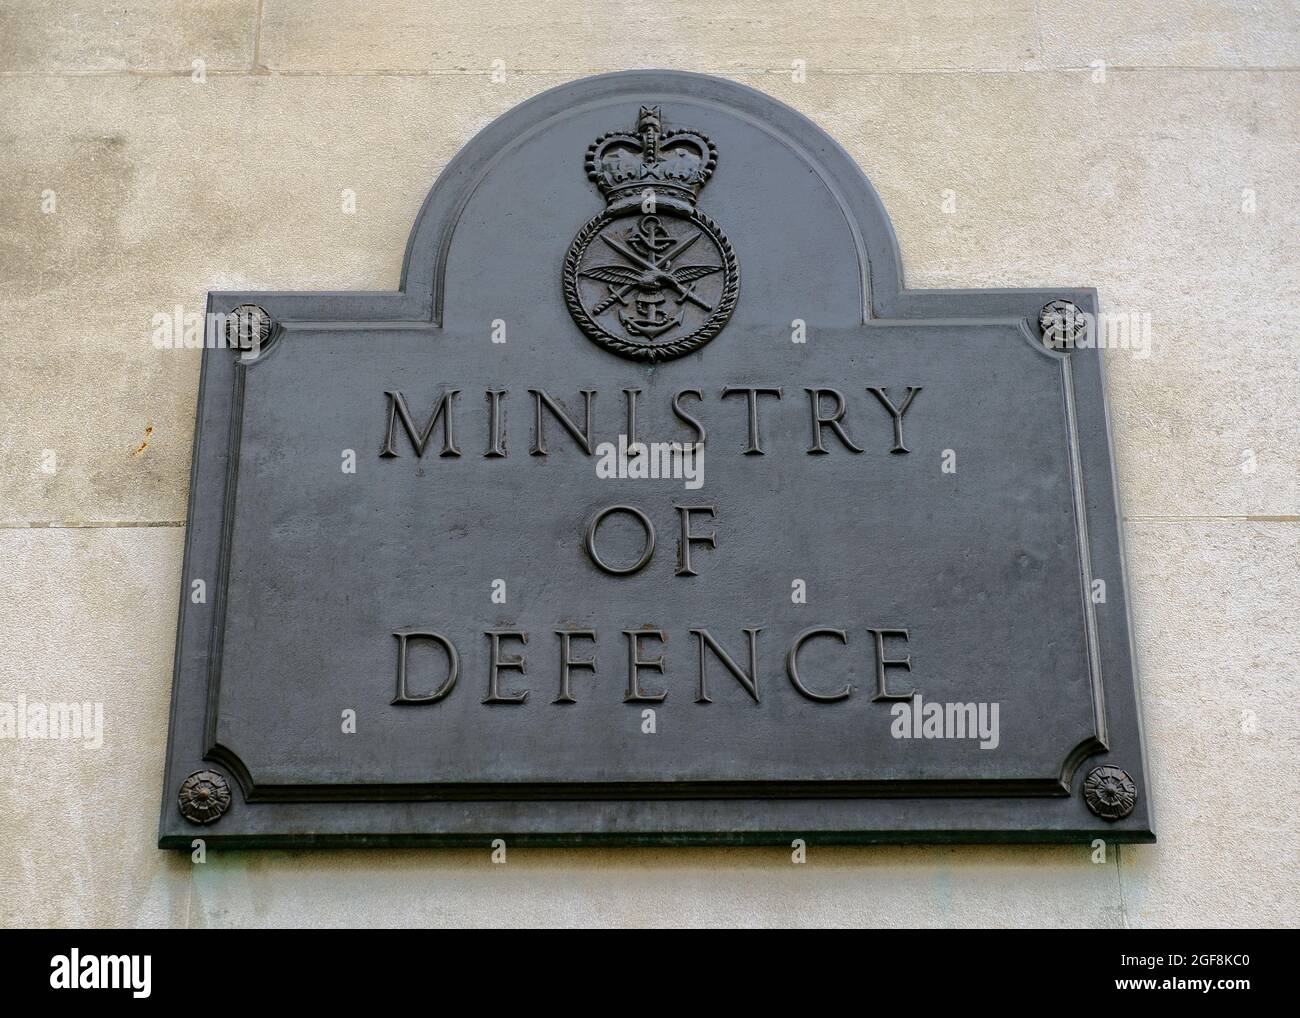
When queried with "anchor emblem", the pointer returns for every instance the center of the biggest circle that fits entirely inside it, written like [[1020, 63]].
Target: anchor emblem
[[675, 281], [650, 251]]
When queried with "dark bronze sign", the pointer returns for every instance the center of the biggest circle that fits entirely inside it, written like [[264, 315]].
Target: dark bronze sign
[[678, 520]]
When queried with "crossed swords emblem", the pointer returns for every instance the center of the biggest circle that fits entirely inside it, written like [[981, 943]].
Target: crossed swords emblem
[[652, 252]]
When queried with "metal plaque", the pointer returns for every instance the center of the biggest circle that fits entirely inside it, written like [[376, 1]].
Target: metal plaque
[[653, 508]]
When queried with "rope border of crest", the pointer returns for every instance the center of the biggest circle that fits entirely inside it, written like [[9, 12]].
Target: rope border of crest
[[650, 351]]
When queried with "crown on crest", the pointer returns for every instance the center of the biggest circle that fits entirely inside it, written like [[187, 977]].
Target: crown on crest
[[674, 164]]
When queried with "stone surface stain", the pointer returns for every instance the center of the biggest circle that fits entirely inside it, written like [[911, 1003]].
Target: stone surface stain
[[139, 449]]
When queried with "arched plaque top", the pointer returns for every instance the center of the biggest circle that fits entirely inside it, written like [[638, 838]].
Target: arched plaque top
[[613, 100], [782, 222]]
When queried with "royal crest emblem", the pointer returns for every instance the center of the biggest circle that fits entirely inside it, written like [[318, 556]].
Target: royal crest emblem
[[651, 277]]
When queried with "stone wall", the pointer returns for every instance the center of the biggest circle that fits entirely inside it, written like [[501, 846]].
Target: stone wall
[[1146, 148]]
